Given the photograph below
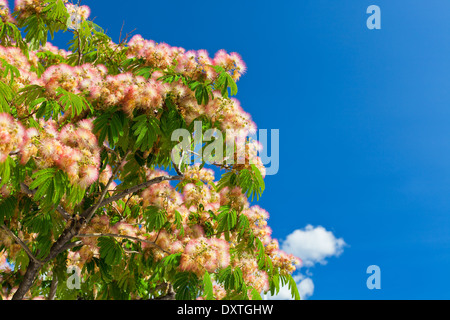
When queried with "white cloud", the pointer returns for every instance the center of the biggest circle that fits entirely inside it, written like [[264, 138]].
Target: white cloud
[[305, 288], [313, 245]]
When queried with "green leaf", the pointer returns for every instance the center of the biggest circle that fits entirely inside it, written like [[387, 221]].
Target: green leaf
[[5, 170], [70, 101], [227, 180], [256, 295], [146, 129], [145, 72], [105, 269], [110, 250], [6, 95], [30, 93], [44, 244], [208, 286], [51, 185], [111, 125], [232, 84], [9, 69], [227, 219], [155, 218], [7, 208], [293, 287], [186, 286]]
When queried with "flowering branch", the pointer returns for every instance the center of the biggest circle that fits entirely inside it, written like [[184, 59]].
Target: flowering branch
[[137, 188], [121, 236]]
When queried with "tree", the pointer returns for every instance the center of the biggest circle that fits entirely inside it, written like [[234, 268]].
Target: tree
[[91, 177]]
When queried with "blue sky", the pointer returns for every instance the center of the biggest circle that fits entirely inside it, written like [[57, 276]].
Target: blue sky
[[363, 117]]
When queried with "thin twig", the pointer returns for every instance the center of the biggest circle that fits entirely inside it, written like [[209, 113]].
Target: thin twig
[[89, 213], [111, 151], [80, 53], [71, 245], [23, 245], [14, 153], [177, 167], [121, 29], [220, 165]]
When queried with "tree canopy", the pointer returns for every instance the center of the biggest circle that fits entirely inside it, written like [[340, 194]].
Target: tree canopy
[[92, 180]]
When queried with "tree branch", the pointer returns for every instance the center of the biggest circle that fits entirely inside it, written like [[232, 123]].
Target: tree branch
[[28, 279], [138, 188], [88, 213], [23, 245], [53, 287]]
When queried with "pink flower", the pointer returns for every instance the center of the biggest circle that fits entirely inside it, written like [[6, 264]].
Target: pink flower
[[89, 175]]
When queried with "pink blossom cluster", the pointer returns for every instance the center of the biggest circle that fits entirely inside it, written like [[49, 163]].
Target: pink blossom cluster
[[234, 197], [196, 173], [13, 136], [16, 58], [280, 259], [3, 263], [258, 222], [5, 13], [227, 111], [124, 89], [253, 276], [246, 153], [105, 175], [5, 240], [202, 254], [74, 150], [29, 7], [77, 14], [135, 92], [130, 91], [194, 64], [79, 79], [101, 224], [196, 194], [162, 195]]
